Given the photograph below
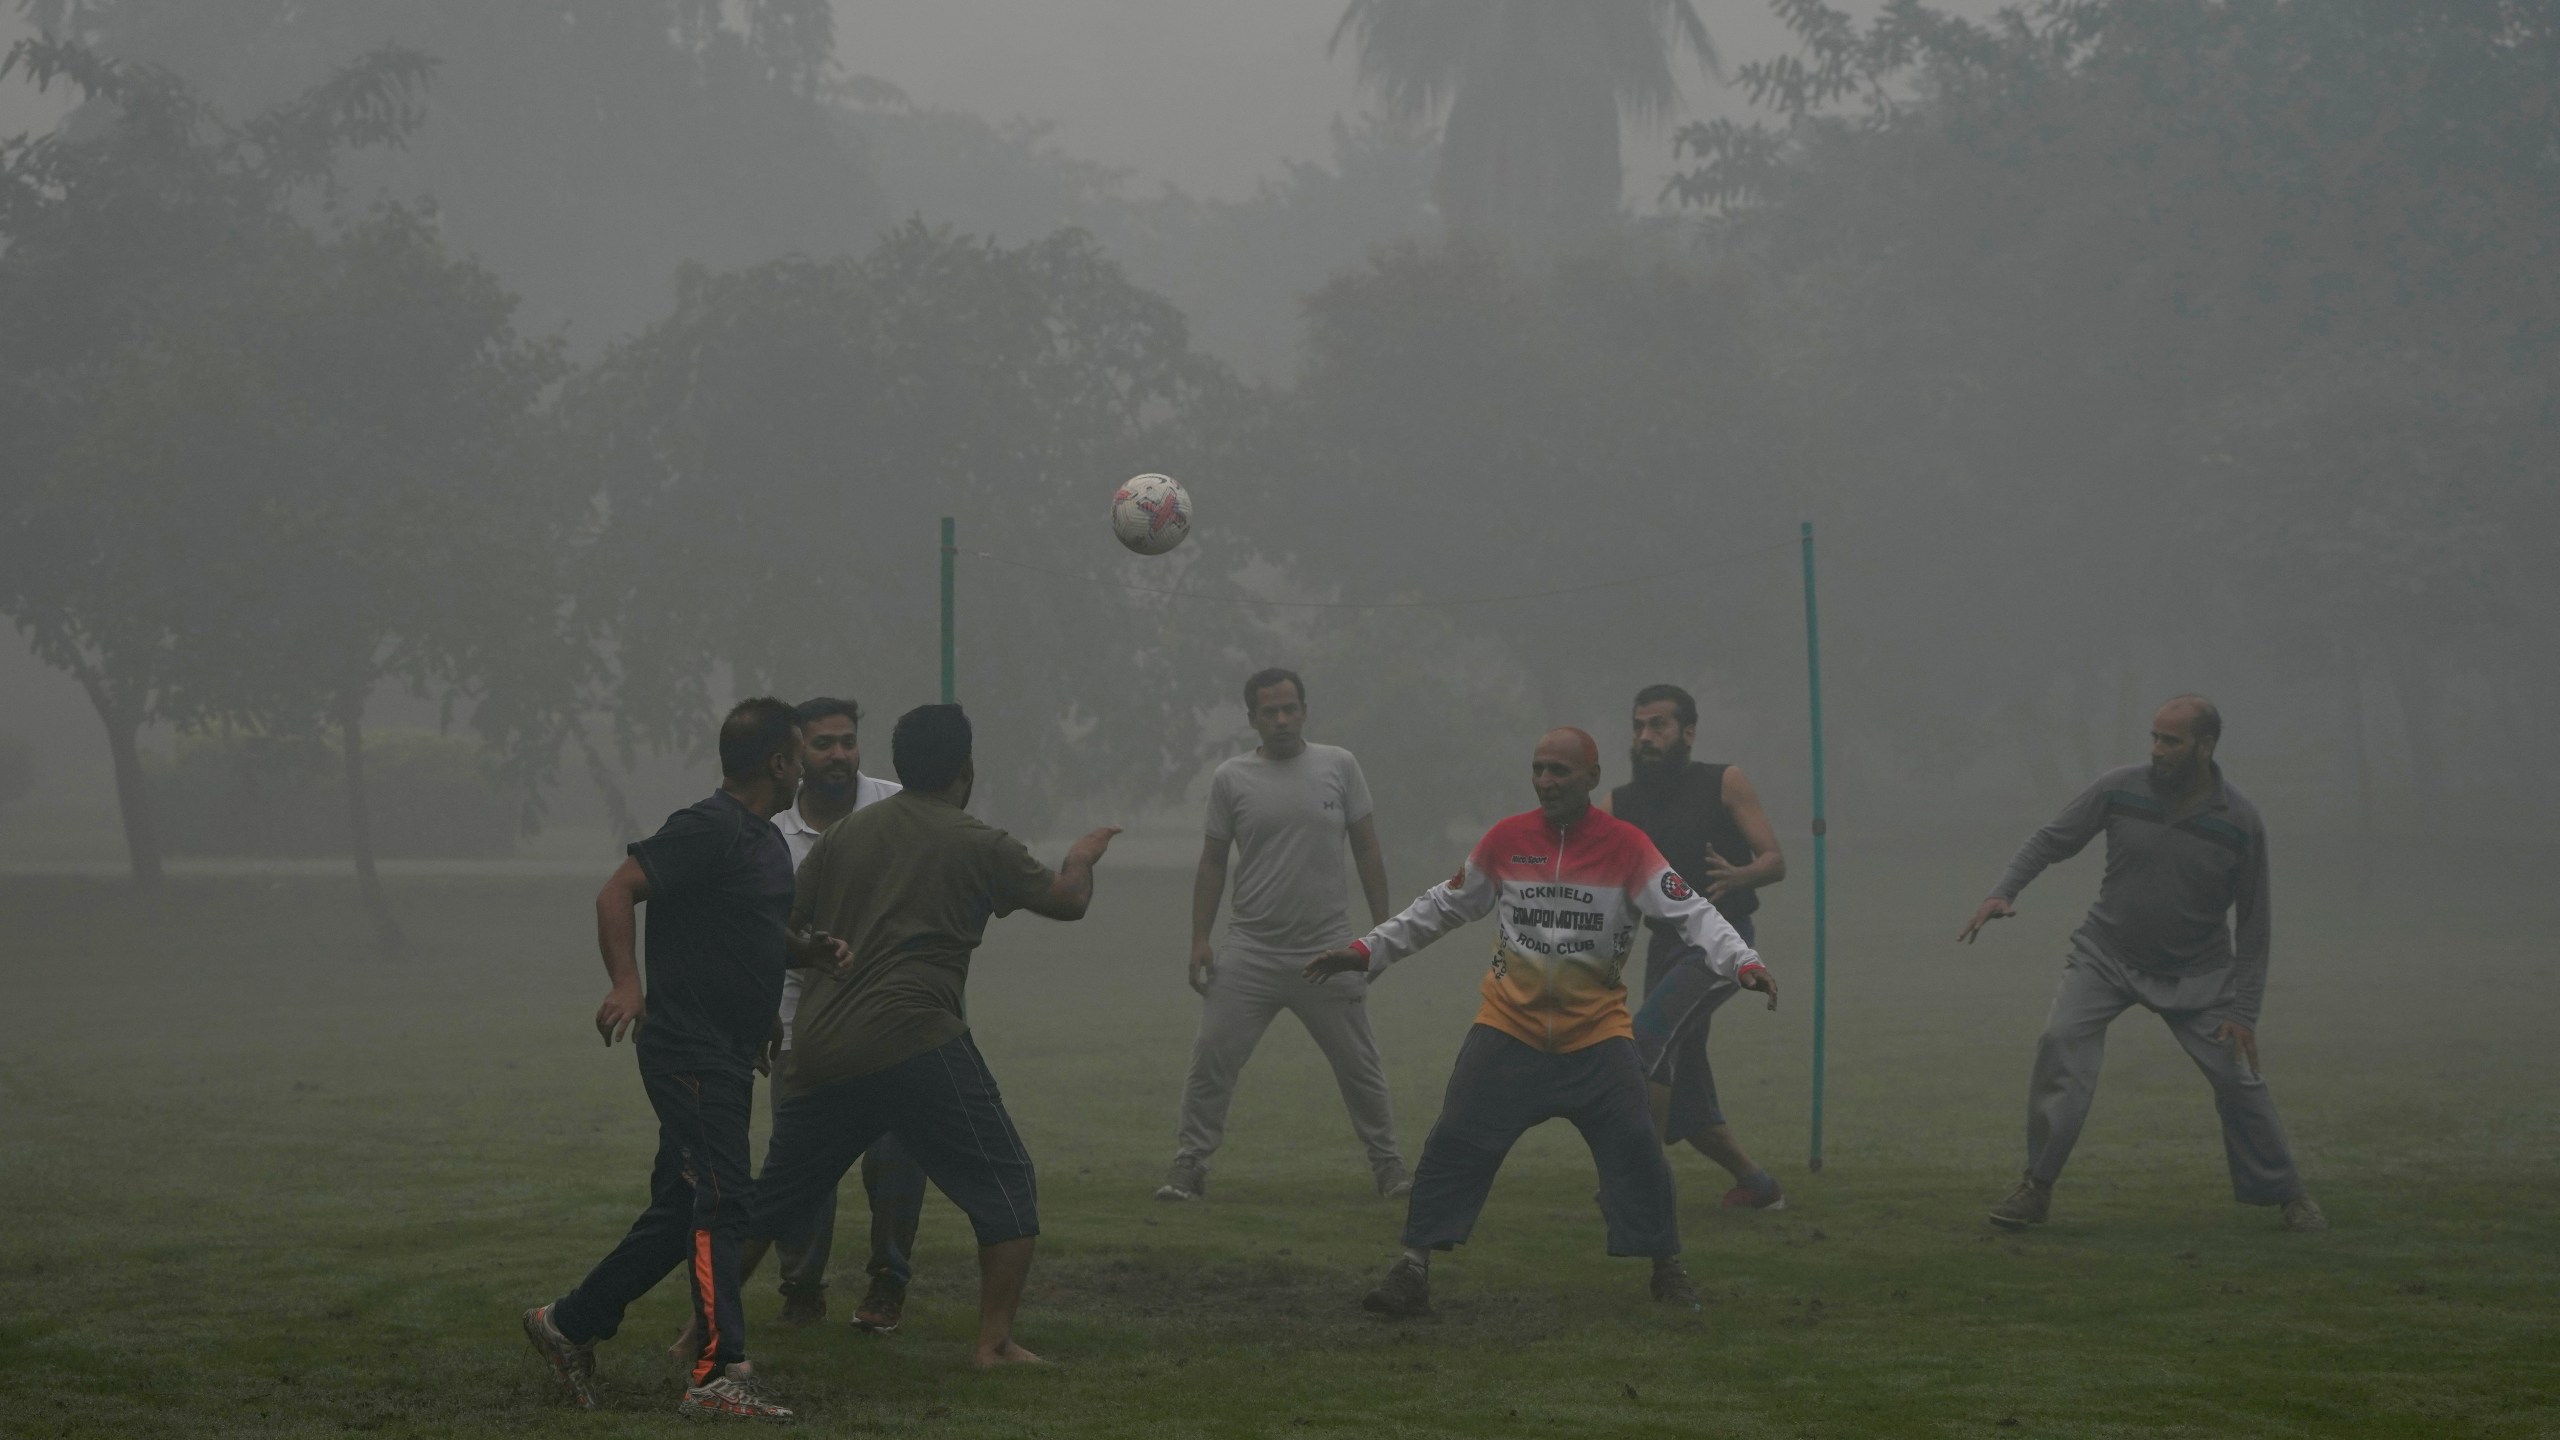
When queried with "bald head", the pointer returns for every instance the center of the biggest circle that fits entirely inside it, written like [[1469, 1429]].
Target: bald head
[[1576, 746], [1564, 770], [2198, 716], [2184, 736]]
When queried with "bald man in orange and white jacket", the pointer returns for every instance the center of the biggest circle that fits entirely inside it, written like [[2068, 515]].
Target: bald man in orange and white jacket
[[1571, 887]]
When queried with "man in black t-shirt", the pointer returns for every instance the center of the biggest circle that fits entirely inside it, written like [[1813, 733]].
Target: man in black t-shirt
[[717, 881], [1708, 823]]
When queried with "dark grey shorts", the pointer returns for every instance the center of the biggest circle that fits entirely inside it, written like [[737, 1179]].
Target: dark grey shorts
[[942, 1105], [1681, 997]]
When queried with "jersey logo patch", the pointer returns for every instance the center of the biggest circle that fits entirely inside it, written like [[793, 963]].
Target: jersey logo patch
[[1674, 887], [1529, 859], [1458, 881]]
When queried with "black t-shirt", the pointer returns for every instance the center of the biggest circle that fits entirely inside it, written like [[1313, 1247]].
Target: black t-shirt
[[1683, 814], [719, 898]]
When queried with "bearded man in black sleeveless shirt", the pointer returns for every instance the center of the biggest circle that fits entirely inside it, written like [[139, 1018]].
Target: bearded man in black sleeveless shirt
[[1707, 822]]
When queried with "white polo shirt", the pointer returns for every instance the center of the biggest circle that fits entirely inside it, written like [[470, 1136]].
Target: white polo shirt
[[802, 837]]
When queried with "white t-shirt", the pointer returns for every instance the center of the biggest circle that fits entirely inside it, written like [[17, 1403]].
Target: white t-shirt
[[802, 837], [1289, 820]]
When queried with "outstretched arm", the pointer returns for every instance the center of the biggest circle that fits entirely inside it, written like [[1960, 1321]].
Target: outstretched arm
[[1660, 895], [1070, 888], [2070, 833], [1465, 896]]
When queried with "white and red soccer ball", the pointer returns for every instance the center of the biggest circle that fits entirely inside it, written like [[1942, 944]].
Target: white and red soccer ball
[[1151, 514]]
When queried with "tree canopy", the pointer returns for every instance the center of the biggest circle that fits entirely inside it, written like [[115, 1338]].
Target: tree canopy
[[583, 149], [1532, 94], [267, 466], [771, 459]]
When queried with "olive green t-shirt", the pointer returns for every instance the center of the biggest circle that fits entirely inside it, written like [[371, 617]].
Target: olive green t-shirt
[[909, 884]]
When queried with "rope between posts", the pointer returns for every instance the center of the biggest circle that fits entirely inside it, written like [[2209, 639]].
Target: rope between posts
[[1626, 583]]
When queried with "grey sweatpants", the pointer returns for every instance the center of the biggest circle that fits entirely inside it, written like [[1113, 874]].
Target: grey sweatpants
[[2095, 990], [1246, 992]]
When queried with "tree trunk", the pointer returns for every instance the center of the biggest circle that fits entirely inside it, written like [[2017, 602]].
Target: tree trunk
[[360, 830], [124, 730], [617, 806]]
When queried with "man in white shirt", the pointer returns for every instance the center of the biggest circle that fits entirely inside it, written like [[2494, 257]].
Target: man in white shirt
[[1287, 810], [833, 786]]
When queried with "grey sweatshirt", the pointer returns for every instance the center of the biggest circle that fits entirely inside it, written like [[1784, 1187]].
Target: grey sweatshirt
[[2169, 883]]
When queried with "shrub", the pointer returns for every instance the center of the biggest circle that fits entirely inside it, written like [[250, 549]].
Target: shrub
[[431, 797]]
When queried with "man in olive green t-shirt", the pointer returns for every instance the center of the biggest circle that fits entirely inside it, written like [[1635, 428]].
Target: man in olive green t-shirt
[[883, 1046]]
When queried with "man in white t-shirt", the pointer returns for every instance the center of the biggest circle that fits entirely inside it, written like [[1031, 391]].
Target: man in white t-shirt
[[1287, 810], [833, 786]]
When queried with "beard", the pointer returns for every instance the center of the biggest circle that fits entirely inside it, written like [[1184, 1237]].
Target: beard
[[826, 790], [1673, 761], [2172, 777]]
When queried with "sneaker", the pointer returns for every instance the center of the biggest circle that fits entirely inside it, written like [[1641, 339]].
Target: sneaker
[[2302, 1215], [733, 1394], [881, 1305], [1406, 1292], [2027, 1205], [1184, 1182], [1767, 1196], [1671, 1285], [806, 1307], [1396, 1184], [574, 1364]]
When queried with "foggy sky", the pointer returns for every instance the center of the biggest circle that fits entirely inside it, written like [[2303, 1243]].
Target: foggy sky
[[1208, 95], [1212, 96]]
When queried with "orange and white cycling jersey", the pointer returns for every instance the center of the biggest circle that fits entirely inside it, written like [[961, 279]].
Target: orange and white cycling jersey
[[1570, 901]]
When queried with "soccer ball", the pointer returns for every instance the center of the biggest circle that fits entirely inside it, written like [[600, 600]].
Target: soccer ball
[[1151, 514]]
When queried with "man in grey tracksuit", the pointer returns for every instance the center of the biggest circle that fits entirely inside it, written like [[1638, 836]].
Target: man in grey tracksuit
[[1287, 810], [2183, 848]]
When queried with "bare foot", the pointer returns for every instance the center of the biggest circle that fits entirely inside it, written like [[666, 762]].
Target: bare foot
[[1007, 1353]]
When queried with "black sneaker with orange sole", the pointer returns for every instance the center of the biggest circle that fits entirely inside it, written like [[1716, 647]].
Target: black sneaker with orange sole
[[733, 1394], [572, 1364], [881, 1306]]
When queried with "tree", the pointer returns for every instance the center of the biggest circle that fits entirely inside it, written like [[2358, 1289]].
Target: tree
[[1497, 432], [394, 521], [1533, 93], [123, 235], [271, 467], [772, 458], [1237, 268], [2199, 338], [581, 150]]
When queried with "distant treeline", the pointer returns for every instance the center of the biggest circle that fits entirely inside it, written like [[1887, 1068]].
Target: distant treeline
[[252, 795], [2117, 348]]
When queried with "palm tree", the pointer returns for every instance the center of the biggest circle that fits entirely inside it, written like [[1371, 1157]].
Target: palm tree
[[1534, 92]]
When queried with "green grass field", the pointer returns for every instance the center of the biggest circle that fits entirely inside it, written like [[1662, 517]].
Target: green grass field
[[259, 1183]]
